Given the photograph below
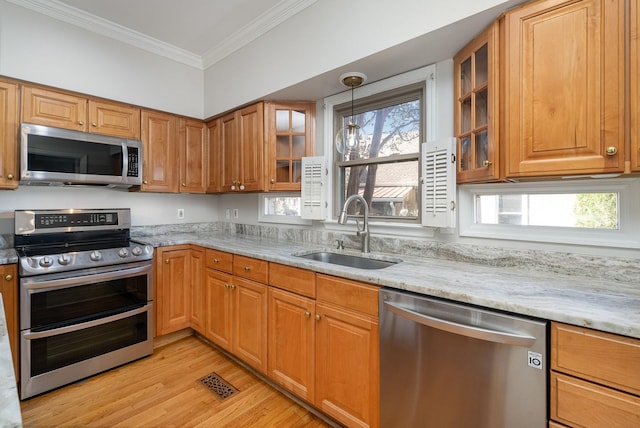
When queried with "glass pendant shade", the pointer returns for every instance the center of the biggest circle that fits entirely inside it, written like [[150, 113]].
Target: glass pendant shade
[[349, 138]]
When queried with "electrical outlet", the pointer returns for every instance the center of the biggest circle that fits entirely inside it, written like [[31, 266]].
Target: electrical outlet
[[236, 214], [227, 213], [180, 213]]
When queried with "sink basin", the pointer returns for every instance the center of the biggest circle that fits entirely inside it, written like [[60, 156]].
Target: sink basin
[[349, 260]]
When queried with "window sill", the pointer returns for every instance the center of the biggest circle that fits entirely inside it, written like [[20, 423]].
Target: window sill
[[382, 229]]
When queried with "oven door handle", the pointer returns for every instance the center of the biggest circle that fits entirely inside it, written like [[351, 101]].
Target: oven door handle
[[37, 283], [88, 324]]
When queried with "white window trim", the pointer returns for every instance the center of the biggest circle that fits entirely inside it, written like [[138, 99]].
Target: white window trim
[[426, 74], [281, 219], [627, 236]]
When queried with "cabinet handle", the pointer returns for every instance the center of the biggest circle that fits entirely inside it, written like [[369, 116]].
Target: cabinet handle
[[488, 163], [8, 277], [9, 176], [612, 150], [318, 317], [95, 125], [247, 268], [81, 123], [307, 314]]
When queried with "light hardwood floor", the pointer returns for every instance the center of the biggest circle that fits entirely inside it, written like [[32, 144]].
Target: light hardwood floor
[[164, 390]]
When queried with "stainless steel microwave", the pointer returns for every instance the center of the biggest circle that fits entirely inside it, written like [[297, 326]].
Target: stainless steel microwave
[[60, 156]]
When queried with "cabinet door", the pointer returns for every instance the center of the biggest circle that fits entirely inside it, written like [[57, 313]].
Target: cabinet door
[[218, 308], [565, 88], [193, 156], [174, 301], [476, 71], [634, 74], [9, 291], [251, 133], [250, 322], [290, 133], [291, 350], [230, 153], [114, 119], [214, 154], [50, 108], [197, 265], [347, 366], [8, 136], [160, 151]]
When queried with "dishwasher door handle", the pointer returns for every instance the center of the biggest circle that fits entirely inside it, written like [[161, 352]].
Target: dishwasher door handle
[[462, 329]]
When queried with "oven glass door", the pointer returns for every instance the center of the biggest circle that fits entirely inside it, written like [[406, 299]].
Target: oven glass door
[[58, 300], [52, 350]]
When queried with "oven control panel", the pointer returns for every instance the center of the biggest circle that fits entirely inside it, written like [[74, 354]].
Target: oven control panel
[[28, 222]]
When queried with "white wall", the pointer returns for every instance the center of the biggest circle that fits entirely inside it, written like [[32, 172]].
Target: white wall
[[40, 49], [146, 208], [324, 37]]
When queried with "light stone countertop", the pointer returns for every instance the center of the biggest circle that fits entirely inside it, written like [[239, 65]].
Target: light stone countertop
[[8, 256], [611, 306], [10, 415]]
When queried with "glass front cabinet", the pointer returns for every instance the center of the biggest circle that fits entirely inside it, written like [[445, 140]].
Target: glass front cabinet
[[476, 70], [290, 130]]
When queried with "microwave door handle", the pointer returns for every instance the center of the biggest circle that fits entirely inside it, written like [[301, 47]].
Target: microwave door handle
[[84, 325], [125, 161], [462, 329]]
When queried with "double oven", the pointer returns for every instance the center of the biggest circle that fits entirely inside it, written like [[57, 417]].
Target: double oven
[[86, 295]]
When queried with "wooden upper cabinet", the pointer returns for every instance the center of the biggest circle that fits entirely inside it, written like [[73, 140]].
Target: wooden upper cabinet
[[290, 136], [193, 156], [564, 83], [634, 73], [114, 119], [476, 71], [65, 110], [214, 155], [242, 155], [9, 175], [160, 151]]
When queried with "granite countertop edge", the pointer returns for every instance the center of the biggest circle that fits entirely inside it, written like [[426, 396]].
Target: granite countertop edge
[[609, 306]]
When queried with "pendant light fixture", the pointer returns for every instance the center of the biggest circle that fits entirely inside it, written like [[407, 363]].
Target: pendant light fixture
[[350, 136]]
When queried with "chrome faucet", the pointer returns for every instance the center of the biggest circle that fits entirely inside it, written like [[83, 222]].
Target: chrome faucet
[[364, 233]]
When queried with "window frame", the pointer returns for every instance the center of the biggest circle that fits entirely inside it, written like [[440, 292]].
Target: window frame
[[626, 236], [425, 76]]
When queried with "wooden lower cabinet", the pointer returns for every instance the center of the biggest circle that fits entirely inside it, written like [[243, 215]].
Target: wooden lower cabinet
[[177, 269], [236, 316], [595, 381], [9, 291], [197, 267], [292, 342]]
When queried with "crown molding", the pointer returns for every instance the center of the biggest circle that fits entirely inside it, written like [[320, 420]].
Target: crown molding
[[256, 28], [259, 26]]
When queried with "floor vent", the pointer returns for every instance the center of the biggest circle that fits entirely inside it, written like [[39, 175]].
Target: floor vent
[[218, 386]]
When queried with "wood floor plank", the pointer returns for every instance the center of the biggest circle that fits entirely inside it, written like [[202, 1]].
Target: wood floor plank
[[164, 390]]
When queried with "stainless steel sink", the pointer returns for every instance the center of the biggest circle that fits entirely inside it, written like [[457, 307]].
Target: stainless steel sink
[[349, 260]]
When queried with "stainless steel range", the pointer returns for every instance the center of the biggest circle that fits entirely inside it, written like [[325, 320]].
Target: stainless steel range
[[86, 295]]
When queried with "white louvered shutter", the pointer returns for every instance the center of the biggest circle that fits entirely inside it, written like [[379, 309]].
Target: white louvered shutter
[[438, 168], [313, 188]]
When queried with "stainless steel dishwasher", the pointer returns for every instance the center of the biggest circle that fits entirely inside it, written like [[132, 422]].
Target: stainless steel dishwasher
[[449, 365]]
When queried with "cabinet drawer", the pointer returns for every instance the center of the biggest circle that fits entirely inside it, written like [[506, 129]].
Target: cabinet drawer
[[350, 294], [579, 403], [219, 260], [299, 281], [246, 267], [604, 358]]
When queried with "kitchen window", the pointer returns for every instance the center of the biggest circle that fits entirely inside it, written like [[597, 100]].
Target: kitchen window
[[385, 168], [589, 212]]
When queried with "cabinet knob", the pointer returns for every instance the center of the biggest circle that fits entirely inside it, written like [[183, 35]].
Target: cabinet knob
[[226, 285], [242, 187], [216, 260], [184, 184], [307, 314], [612, 150], [166, 261], [145, 182], [233, 286], [81, 123], [487, 163], [273, 181], [95, 125], [9, 176], [8, 277], [247, 268], [318, 317]]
